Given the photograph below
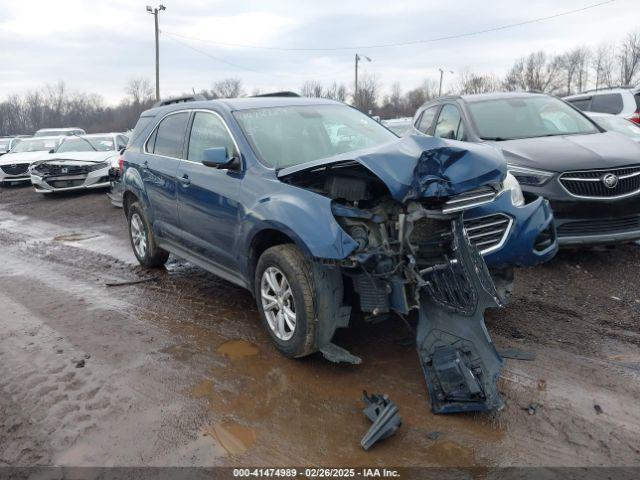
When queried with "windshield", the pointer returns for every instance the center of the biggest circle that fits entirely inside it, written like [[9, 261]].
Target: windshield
[[86, 144], [527, 117], [621, 125], [285, 136], [34, 145], [4, 145]]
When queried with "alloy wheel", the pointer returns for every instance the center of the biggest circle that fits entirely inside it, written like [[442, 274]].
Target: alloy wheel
[[138, 235], [277, 303]]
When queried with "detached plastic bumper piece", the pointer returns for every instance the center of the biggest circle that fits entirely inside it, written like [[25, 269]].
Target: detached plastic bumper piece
[[385, 417], [460, 363]]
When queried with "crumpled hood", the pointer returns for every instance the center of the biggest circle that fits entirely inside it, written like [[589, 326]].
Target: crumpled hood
[[572, 152], [22, 157], [418, 166]]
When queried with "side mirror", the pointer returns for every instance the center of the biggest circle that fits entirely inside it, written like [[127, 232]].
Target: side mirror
[[216, 157], [52, 150]]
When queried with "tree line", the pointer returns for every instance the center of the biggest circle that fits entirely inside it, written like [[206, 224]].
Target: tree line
[[569, 72]]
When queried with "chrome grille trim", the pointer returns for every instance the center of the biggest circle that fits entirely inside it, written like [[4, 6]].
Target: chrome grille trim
[[471, 199], [489, 233], [588, 183]]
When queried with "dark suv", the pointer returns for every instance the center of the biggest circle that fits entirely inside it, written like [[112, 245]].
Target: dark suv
[[318, 209], [591, 177]]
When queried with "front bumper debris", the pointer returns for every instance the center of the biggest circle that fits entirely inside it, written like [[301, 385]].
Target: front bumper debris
[[384, 415], [460, 363]]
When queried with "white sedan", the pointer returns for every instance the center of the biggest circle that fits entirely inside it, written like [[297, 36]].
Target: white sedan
[[14, 166], [79, 163]]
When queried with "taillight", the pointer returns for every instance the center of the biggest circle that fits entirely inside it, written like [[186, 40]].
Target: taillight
[[121, 163], [634, 117]]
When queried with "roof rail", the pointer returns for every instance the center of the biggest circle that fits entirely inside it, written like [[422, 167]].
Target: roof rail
[[605, 88], [186, 98], [278, 94]]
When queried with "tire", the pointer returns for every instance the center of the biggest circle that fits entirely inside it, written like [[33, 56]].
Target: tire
[[315, 299], [142, 239]]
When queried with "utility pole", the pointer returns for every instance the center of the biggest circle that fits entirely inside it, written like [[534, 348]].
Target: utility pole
[[355, 90], [441, 74], [154, 12]]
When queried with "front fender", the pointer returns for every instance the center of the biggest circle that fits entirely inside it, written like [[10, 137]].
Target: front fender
[[305, 217]]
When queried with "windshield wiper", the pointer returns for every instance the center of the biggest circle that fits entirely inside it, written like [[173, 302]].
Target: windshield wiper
[[494, 139]]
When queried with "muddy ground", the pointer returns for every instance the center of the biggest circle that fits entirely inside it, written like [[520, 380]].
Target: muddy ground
[[177, 370]]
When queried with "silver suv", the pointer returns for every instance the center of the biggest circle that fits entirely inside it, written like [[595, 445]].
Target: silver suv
[[620, 101]]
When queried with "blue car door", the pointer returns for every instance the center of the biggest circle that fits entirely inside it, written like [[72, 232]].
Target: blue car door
[[208, 196], [159, 168]]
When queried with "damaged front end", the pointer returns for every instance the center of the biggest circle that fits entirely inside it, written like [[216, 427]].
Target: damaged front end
[[403, 207]]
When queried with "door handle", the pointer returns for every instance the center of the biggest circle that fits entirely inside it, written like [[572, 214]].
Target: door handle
[[184, 180]]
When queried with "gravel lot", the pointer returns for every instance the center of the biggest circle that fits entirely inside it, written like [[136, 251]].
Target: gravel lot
[[177, 370]]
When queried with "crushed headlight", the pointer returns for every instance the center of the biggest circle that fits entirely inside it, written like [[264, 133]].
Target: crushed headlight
[[529, 176], [510, 183]]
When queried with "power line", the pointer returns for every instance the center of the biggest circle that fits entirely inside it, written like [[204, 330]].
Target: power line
[[242, 67], [403, 44]]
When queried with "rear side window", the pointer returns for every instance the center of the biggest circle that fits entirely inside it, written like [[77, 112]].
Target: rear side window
[[581, 103], [607, 103], [208, 131], [141, 124], [637, 99], [427, 119], [169, 135]]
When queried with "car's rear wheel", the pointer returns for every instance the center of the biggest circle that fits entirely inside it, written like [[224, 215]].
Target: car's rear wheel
[[142, 239], [298, 302]]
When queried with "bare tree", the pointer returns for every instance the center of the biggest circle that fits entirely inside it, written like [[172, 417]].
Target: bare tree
[[603, 63], [470, 83], [337, 92], [629, 58], [312, 88], [140, 91], [368, 89], [537, 71], [227, 88]]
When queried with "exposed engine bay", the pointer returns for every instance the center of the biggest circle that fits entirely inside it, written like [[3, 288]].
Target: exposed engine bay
[[415, 255]]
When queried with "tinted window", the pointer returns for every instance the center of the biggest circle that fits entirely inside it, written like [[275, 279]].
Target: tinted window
[[208, 131], [581, 103], [427, 119], [449, 123], [607, 103], [170, 135]]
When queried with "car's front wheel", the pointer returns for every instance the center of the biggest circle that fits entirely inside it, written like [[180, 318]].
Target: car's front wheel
[[142, 239], [298, 302]]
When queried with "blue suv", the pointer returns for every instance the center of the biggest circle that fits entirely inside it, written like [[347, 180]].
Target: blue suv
[[317, 209]]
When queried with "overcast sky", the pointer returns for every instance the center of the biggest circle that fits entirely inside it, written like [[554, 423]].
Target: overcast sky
[[97, 46]]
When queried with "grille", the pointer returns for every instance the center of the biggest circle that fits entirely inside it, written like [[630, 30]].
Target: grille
[[49, 169], [469, 199], [17, 169], [488, 232], [591, 184], [65, 183], [599, 226]]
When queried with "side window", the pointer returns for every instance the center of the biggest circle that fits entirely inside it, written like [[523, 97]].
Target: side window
[[581, 103], [427, 119], [208, 131], [449, 124], [607, 103], [169, 136]]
